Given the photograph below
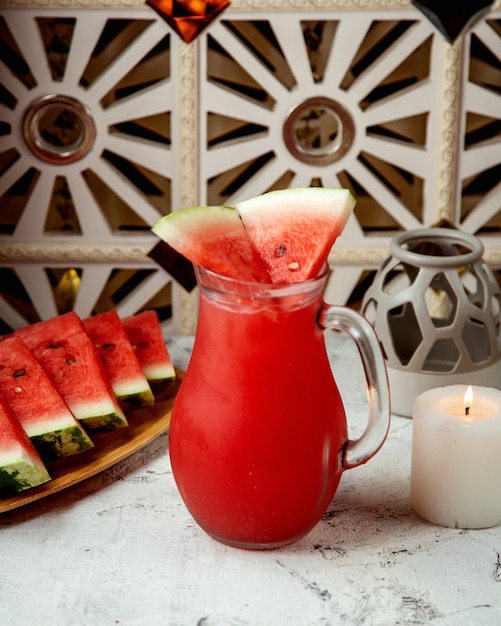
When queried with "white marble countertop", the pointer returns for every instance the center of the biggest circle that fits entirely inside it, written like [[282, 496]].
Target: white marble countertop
[[121, 549]]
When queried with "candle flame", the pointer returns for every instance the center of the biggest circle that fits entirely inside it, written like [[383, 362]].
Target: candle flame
[[468, 400]]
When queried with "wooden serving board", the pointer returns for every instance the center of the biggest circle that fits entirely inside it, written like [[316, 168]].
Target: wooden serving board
[[145, 425]]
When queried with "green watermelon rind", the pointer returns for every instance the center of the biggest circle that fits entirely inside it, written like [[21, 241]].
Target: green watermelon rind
[[136, 400], [19, 475], [131, 399], [59, 444], [57, 438], [96, 419], [132, 393], [51, 424]]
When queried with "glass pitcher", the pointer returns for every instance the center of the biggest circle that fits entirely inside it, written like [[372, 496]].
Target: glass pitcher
[[258, 438]]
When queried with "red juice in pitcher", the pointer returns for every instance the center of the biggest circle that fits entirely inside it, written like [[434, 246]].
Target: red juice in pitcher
[[258, 428]]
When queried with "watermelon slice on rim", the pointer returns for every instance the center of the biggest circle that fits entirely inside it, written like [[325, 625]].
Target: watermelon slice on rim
[[213, 236], [281, 236], [119, 359], [43, 414], [20, 464], [293, 230]]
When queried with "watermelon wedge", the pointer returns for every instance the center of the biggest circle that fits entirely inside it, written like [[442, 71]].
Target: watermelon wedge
[[34, 400], [213, 236], [281, 236], [67, 354], [119, 359], [293, 230], [146, 337], [20, 465]]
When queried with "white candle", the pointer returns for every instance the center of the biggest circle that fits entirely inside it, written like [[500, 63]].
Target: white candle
[[456, 457]]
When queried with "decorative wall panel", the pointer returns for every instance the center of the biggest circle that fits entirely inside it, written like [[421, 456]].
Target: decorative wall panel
[[89, 161], [478, 193], [340, 97], [371, 100], [366, 94]]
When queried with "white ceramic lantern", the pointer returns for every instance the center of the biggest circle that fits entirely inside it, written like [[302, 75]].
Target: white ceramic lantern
[[435, 306]]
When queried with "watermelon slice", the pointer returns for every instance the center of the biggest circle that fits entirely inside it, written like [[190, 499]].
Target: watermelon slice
[[145, 335], [67, 354], [119, 359], [293, 230], [213, 236], [20, 465], [279, 236], [35, 402]]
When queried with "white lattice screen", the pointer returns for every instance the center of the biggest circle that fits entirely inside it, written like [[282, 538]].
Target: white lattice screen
[[129, 123]]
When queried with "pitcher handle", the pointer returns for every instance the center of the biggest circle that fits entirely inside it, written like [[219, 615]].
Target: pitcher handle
[[359, 451]]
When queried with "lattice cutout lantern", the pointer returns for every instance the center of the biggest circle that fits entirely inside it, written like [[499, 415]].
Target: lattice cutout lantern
[[435, 305]]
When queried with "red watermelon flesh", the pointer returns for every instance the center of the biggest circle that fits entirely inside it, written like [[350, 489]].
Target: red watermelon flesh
[[34, 400], [293, 230], [62, 327], [119, 359], [20, 464], [68, 355], [145, 335], [213, 236]]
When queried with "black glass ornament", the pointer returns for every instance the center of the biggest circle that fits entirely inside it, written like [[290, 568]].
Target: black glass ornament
[[453, 19]]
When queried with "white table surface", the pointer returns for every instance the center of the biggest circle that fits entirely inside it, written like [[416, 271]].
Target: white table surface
[[121, 549]]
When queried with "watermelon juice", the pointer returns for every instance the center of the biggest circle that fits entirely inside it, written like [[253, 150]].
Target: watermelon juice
[[258, 427]]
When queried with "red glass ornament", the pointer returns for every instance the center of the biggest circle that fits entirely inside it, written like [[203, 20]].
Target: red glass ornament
[[188, 17]]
